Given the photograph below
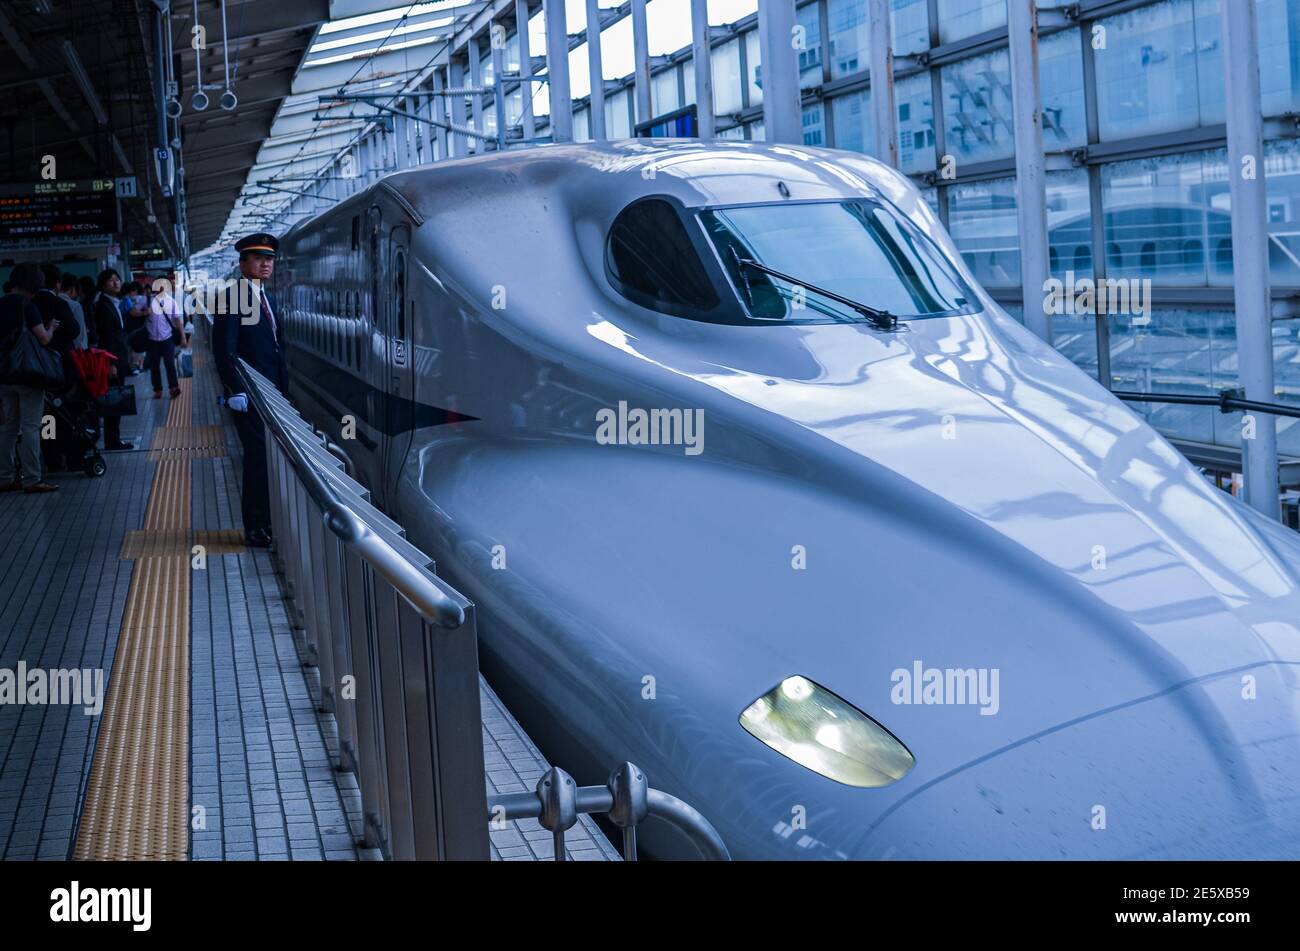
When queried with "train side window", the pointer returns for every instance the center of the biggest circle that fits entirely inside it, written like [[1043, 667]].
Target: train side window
[[652, 261], [356, 232]]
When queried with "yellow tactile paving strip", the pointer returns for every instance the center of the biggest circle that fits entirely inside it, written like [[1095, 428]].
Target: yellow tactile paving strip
[[137, 799], [153, 544], [194, 441]]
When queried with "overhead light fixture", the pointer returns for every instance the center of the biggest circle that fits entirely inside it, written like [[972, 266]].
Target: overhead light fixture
[[83, 80], [199, 101], [228, 98]]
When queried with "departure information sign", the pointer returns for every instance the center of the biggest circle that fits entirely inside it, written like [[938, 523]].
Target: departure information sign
[[58, 209]]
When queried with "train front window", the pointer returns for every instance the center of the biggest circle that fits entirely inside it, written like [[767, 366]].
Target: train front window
[[651, 260], [859, 250]]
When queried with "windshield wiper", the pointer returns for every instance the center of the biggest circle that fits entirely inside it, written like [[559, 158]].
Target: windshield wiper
[[881, 318]]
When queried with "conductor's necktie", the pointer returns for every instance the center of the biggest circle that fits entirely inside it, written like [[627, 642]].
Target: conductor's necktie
[[266, 312]]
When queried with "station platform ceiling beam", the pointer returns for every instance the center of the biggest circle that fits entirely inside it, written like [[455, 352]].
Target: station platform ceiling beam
[[266, 44]]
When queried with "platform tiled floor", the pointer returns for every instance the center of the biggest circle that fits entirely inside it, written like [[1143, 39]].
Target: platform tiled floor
[[261, 755], [260, 768], [62, 590]]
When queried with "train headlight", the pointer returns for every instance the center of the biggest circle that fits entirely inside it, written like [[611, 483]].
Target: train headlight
[[819, 730]]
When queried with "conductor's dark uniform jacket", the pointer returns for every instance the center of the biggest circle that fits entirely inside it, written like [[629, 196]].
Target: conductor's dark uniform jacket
[[257, 343]]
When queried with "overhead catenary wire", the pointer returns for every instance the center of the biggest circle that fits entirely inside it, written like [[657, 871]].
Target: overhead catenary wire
[[361, 133]]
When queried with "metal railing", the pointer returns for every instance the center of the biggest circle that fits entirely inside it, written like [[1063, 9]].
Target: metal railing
[[626, 798], [397, 650], [390, 638], [1228, 401]]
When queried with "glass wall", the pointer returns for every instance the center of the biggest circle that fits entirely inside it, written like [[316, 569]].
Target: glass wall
[[977, 108]]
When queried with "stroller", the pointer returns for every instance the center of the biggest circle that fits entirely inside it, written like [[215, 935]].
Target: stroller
[[76, 414]]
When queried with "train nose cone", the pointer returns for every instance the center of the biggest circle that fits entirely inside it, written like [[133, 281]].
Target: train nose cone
[[1205, 771]]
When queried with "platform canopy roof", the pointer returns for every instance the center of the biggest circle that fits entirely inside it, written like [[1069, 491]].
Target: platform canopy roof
[[364, 46], [78, 82]]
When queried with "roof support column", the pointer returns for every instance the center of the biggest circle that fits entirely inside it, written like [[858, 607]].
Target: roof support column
[[438, 111], [557, 70], [476, 99], [400, 137], [883, 112], [782, 112], [368, 158], [496, 40], [702, 53], [596, 67], [457, 81], [641, 61], [526, 86], [1031, 166], [1250, 269]]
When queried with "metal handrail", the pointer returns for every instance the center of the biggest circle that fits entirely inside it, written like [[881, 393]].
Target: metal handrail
[[626, 798], [406, 578], [1228, 401]]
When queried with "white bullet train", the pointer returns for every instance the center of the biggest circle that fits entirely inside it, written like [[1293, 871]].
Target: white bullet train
[[753, 485]]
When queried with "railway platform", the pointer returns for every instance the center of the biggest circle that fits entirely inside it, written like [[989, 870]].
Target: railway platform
[[171, 704]]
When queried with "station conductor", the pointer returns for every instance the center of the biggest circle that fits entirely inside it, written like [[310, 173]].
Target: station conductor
[[255, 338]]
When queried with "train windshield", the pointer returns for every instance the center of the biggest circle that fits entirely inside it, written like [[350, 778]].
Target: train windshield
[[811, 262]]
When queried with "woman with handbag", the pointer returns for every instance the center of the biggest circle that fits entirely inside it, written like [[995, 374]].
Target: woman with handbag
[[21, 402], [112, 337]]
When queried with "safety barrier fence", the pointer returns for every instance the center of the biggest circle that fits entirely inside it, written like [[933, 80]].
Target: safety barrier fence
[[396, 646], [626, 799], [1228, 401], [397, 651]]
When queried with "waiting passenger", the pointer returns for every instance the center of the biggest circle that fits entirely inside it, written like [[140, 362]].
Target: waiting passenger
[[135, 311], [112, 337], [70, 291], [88, 293], [54, 308], [22, 405], [165, 330]]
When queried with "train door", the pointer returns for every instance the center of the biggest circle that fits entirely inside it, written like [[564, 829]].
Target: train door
[[398, 311]]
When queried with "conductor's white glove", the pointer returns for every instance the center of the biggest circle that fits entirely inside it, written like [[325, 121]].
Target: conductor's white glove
[[238, 403]]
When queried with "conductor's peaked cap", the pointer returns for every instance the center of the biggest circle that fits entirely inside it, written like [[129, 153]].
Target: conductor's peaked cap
[[260, 243]]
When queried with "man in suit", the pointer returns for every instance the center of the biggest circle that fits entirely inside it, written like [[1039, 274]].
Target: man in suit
[[111, 335], [255, 338]]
